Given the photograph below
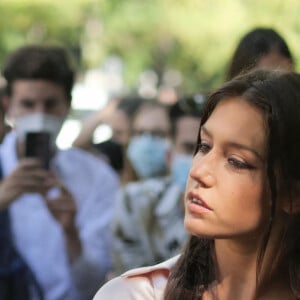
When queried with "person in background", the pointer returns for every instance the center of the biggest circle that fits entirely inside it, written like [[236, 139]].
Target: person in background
[[260, 48], [17, 281], [185, 116], [61, 216], [149, 219], [150, 141], [4, 127], [118, 115], [242, 201]]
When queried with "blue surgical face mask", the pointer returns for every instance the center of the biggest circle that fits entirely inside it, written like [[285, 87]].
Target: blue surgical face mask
[[148, 155], [181, 164]]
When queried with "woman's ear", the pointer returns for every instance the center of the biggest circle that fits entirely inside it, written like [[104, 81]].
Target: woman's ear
[[291, 201]]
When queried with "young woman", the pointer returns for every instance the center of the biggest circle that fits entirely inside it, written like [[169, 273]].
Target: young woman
[[260, 48], [242, 201]]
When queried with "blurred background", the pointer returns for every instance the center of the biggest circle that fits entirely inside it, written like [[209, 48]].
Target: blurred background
[[155, 48]]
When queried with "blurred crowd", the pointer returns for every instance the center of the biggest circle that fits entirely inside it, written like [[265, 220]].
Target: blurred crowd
[[72, 219]]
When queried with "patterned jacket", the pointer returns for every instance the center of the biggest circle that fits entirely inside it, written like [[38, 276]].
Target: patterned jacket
[[148, 225]]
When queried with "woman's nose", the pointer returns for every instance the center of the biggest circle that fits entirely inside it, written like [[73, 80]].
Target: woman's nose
[[203, 169]]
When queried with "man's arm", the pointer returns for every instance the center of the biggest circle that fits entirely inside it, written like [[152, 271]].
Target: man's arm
[[84, 139]]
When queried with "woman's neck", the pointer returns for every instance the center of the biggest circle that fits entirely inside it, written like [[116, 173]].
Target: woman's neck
[[240, 274], [236, 263]]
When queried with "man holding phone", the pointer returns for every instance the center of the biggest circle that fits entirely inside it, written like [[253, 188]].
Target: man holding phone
[[60, 201]]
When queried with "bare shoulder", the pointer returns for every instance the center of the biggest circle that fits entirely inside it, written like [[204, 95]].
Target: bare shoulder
[[126, 288]]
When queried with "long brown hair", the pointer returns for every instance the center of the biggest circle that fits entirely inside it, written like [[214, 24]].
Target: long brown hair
[[253, 46], [277, 95]]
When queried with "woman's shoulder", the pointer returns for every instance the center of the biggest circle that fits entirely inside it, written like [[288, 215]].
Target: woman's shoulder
[[126, 288], [147, 283]]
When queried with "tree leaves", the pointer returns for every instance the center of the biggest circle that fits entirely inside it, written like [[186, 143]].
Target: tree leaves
[[196, 37]]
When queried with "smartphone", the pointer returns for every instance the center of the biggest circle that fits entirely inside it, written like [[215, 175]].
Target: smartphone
[[37, 145]]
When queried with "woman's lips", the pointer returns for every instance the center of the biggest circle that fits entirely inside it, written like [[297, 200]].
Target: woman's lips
[[196, 204]]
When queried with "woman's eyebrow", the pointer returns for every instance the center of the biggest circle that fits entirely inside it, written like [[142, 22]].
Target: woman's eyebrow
[[236, 145], [205, 131], [245, 147]]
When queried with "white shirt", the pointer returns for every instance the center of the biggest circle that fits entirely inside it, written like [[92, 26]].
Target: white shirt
[[147, 283], [39, 237]]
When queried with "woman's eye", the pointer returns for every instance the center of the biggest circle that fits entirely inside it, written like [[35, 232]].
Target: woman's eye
[[238, 164], [203, 148]]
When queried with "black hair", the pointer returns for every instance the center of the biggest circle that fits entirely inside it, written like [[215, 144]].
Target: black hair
[[129, 104], [39, 62], [191, 105], [277, 96], [255, 44]]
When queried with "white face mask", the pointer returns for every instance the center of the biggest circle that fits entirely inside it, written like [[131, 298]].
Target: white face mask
[[38, 122]]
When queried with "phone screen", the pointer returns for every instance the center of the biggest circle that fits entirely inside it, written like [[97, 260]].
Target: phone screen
[[37, 145]]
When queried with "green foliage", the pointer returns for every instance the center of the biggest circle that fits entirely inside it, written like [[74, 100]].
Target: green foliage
[[196, 37]]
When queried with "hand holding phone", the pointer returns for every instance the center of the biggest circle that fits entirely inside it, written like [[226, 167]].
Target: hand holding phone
[[37, 145]]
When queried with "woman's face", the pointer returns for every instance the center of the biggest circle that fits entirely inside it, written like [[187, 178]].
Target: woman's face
[[227, 190], [275, 60]]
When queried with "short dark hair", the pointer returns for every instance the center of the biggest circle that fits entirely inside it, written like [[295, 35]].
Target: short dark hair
[[39, 62], [186, 106], [252, 46], [129, 104]]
